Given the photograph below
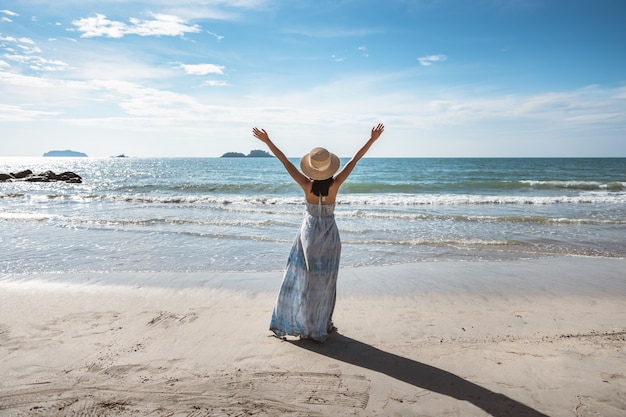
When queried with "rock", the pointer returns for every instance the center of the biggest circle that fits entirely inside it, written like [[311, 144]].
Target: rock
[[37, 178], [22, 174], [69, 176], [48, 176]]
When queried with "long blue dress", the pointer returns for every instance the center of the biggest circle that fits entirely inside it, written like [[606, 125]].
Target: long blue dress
[[306, 300]]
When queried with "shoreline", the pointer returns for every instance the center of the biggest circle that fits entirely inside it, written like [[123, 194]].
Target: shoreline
[[560, 274], [536, 337]]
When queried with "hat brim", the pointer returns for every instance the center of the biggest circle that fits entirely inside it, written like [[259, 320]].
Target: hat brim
[[316, 174]]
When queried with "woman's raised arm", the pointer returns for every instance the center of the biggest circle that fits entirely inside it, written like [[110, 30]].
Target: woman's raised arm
[[347, 169], [301, 179]]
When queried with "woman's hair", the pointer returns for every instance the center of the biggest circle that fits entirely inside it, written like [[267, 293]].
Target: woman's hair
[[320, 187]]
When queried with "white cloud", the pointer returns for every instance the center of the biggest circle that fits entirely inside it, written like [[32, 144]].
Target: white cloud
[[9, 12], [620, 93], [203, 69], [225, 10], [218, 37], [27, 40], [27, 52], [21, 97], [25, 44], [5, 19], [38, 63], [214, 83], [160, 25], [140, 101], [11, 79], [428, 60], [121, 106], [10, 113]]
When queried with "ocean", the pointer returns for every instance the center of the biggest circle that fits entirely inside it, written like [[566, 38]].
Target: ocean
[[241, 214]]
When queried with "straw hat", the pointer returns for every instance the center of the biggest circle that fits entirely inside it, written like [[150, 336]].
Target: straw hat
[[319, 164]]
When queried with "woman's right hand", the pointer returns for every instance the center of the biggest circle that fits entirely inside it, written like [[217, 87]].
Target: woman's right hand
[[377, 131]]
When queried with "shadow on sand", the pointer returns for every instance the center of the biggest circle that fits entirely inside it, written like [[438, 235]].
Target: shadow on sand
[[419, 374]]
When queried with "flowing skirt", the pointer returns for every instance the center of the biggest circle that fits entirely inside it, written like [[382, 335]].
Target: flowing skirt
[[306, 300]]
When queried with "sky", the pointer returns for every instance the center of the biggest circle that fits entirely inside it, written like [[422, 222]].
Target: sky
[[448, 78]]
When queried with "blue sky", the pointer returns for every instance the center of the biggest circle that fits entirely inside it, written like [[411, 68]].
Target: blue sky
[[191, 78]]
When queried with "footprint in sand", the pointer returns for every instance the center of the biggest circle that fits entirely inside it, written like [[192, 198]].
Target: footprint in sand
[[166, 319], [606, 377], [296, 394], [613, 405]]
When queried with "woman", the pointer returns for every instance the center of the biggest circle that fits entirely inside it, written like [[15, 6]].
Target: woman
[[305, 303]]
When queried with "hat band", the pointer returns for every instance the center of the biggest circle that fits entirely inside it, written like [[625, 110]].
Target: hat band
[[319, 166]]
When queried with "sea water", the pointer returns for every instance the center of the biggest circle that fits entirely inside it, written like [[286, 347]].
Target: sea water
[[241, 214]]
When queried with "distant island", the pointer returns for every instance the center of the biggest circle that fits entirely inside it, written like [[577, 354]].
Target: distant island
[[253, 154], [65, 153]]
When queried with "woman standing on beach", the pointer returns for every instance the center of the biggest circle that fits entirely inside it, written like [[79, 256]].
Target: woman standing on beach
[[306, 300]]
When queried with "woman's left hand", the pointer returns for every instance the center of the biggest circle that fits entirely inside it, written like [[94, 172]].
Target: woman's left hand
[[261, 134]]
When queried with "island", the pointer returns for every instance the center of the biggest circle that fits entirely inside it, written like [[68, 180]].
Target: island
[[253, 154], [65, 153]]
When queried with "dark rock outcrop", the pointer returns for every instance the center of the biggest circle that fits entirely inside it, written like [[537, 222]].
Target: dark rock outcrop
[[22, 174], [48, 176]]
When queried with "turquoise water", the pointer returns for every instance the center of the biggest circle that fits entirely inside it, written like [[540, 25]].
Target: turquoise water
[[236, 214]]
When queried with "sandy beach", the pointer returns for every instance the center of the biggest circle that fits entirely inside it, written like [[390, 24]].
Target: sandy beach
[[543, 337]]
